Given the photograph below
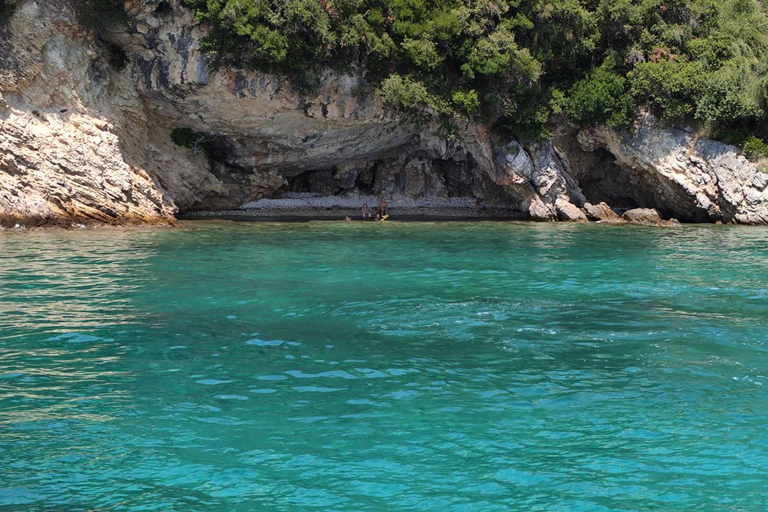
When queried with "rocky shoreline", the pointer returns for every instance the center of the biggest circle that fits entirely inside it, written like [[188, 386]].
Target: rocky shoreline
[[339, 213], [303, 207], [86, 140]]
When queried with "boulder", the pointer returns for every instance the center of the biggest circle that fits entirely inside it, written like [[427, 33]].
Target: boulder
[[671, 223], [693, 178], [642, 215], [540, 211], [601, 212], [569, 212]]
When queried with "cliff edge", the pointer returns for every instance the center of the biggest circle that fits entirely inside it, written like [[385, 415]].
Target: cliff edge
[[90, 133]]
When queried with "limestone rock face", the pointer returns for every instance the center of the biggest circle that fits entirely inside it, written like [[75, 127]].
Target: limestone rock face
[[412, 179], [87, 125], [537, 177], [62, 157], [264, 137], [62, 171], [348, 172], [697, 180]]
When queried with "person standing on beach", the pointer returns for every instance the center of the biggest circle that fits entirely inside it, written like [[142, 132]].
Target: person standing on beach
[[366, 211], [382, 210]]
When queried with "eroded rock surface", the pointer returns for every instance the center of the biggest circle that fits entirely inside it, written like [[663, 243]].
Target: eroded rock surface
[[696, 180], [87, 126], [62, 156], [601, 212]]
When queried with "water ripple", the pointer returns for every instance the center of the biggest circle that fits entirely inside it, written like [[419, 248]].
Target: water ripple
[[500, 366]]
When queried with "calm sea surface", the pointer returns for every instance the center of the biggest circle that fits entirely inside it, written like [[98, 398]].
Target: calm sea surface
[[384, 366]]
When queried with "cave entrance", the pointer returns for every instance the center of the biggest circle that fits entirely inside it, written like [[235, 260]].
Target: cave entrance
[[410, 179]]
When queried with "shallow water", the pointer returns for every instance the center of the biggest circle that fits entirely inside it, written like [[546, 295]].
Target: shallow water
[[350, 366]]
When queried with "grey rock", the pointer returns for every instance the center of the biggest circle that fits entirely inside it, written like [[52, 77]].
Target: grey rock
[[642, 215], [323, 182], [539, 210], [697, 180], [83, 141], [347, 172]]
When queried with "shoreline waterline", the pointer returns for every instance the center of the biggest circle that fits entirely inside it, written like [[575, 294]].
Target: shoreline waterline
[[335, 214]]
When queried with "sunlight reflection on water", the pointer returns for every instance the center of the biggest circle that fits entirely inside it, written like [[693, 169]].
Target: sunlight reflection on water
[[345, 366]]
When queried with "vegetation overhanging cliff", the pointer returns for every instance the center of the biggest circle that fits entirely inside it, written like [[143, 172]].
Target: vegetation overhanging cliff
[[512, 63], [124, 112]]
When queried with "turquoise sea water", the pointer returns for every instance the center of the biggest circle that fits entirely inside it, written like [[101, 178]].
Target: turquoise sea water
[[393, 366]]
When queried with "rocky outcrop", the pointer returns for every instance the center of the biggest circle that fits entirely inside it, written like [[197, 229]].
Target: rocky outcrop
[[87, 128], [600, 212], [62, 157], [59, 170], [642, 215], [693, 179]]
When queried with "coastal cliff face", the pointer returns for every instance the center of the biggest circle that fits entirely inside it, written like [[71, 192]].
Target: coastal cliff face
[[86, 131]]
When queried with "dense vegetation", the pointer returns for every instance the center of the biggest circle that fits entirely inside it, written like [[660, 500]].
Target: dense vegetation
[[514, 62]]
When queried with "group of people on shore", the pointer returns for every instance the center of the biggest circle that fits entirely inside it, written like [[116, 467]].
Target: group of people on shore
[[382, 211]]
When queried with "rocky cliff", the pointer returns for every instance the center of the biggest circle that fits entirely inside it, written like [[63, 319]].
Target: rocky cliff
[[86, 129]]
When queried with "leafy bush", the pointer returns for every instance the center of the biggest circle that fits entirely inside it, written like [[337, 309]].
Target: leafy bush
[[409, 96], [729, 96], [754, 148], [601, 97], [668, 87], [466, 102], [197, 141]]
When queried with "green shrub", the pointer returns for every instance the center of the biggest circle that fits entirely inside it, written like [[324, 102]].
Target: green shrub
[[601, 97], [466, 102], [197, 141], [669, 88], [728, 96], [421, 53], [410, 96], [596, 60], [754, 148]]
